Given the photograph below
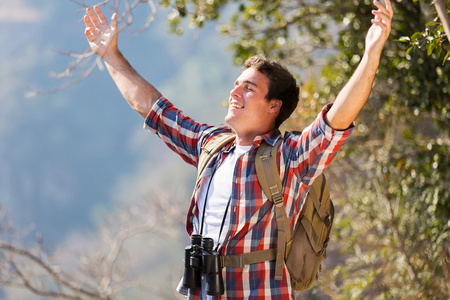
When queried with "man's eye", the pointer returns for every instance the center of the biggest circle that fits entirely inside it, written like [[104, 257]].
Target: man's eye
[[248, 88]]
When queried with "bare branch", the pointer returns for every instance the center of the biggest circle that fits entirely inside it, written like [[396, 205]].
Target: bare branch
[[58, 277], [150, 18], [104, 270], [117, 246], [84, 60]]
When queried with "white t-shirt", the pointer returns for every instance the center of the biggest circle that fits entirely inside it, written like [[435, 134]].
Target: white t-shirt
[[218, 195]]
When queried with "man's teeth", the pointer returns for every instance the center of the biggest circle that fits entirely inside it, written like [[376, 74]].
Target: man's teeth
[[235, 105]]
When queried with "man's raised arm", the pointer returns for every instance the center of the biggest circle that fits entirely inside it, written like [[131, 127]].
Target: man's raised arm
[[354, 95], [102, 38]]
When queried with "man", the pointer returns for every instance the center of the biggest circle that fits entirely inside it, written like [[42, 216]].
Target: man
[[228, 204]]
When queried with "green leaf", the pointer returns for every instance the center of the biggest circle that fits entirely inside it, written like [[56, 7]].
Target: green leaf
[[433, 45], [416, 35], [433, 23], [447, 56], [438, 50]]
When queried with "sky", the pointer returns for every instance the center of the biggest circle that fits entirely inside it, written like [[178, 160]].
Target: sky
[[77, 143], [67, 157]]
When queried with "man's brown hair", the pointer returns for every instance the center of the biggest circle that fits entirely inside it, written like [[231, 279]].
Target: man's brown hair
[[282, 85]]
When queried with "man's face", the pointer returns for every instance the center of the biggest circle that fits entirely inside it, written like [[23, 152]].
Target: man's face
[[249, 112]]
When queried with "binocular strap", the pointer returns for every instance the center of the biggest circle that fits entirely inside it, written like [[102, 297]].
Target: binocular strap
[[204, 210]]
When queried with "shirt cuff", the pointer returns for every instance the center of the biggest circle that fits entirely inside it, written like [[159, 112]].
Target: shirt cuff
[[150, 122], [328, 131]]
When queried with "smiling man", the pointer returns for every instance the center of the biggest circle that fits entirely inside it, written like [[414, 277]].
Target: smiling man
[[264, 95], [228, 204]]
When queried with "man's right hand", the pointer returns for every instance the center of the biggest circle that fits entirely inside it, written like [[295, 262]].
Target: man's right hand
[[139, 93], [101, 36]]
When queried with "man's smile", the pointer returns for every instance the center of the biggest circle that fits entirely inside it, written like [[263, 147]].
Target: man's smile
[[235, 104]]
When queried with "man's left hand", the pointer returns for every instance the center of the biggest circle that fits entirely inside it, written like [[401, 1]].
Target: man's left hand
[[380, 29]]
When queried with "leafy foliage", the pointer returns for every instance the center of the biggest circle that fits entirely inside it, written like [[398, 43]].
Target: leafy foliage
[[433, 38]]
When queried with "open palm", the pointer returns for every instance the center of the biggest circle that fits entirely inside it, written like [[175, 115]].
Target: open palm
[[100, 35]]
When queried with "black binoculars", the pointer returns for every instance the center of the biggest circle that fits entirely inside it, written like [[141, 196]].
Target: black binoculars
[[199, 258]]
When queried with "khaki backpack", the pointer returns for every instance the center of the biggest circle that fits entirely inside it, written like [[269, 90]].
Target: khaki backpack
[[304, 251]]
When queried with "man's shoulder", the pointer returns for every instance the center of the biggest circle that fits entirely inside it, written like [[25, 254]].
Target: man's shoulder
[[215, 131]]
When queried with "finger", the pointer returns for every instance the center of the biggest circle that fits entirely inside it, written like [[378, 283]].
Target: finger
[[383, 13], [87, 22], [101, 16], [377, 17], [89, 32], [381, 17], [114, 20], [389, 7], [379, 23], [383, 8], [93, 17]]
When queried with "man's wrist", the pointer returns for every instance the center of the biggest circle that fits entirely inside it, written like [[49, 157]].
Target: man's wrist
[[111, 54], [371, 61]]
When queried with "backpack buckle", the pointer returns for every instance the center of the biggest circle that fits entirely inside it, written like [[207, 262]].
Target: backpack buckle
[[322, 252], [277, 198]]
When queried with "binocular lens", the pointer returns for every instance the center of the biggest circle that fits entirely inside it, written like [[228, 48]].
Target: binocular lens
[[200, 258]]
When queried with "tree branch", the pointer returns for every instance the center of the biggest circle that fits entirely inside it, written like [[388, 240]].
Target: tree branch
[[58, 278], [125, 20], [443, 15]]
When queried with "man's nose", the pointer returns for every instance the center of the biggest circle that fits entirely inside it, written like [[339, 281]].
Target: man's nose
[[235, 92]]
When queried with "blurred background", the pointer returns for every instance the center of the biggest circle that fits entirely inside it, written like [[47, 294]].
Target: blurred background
[[68, 156], [92, 206]]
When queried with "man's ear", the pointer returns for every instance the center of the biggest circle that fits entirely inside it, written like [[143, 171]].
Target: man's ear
[[275, 105]]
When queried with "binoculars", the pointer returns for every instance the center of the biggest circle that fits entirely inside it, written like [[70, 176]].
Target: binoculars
[[199, 258]]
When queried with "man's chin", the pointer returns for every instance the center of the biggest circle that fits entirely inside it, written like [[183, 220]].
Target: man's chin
[[228, 119]]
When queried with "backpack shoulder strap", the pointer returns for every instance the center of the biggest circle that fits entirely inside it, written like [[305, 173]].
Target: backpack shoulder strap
[[211, 147], [269, 179], [267, 171]]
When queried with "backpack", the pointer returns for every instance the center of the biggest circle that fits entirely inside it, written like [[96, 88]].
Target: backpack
[[304, 251]]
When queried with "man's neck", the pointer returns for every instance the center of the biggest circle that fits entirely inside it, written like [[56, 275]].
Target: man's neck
[[244, 141], [248, 139], [246, 136]]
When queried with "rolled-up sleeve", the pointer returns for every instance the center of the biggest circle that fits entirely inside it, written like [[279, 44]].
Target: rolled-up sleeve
[[179, 132], [312, 150]]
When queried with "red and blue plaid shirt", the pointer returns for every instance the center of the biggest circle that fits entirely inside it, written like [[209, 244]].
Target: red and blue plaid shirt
[[301, 157]]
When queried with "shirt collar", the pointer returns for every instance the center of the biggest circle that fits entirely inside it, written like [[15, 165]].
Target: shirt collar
[[270, 137]]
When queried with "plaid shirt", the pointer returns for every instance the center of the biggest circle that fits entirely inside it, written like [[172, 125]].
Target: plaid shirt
[[301, 157]]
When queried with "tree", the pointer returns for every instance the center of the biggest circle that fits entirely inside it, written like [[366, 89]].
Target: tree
[[110, 265], [392, 180], [435, 34]]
